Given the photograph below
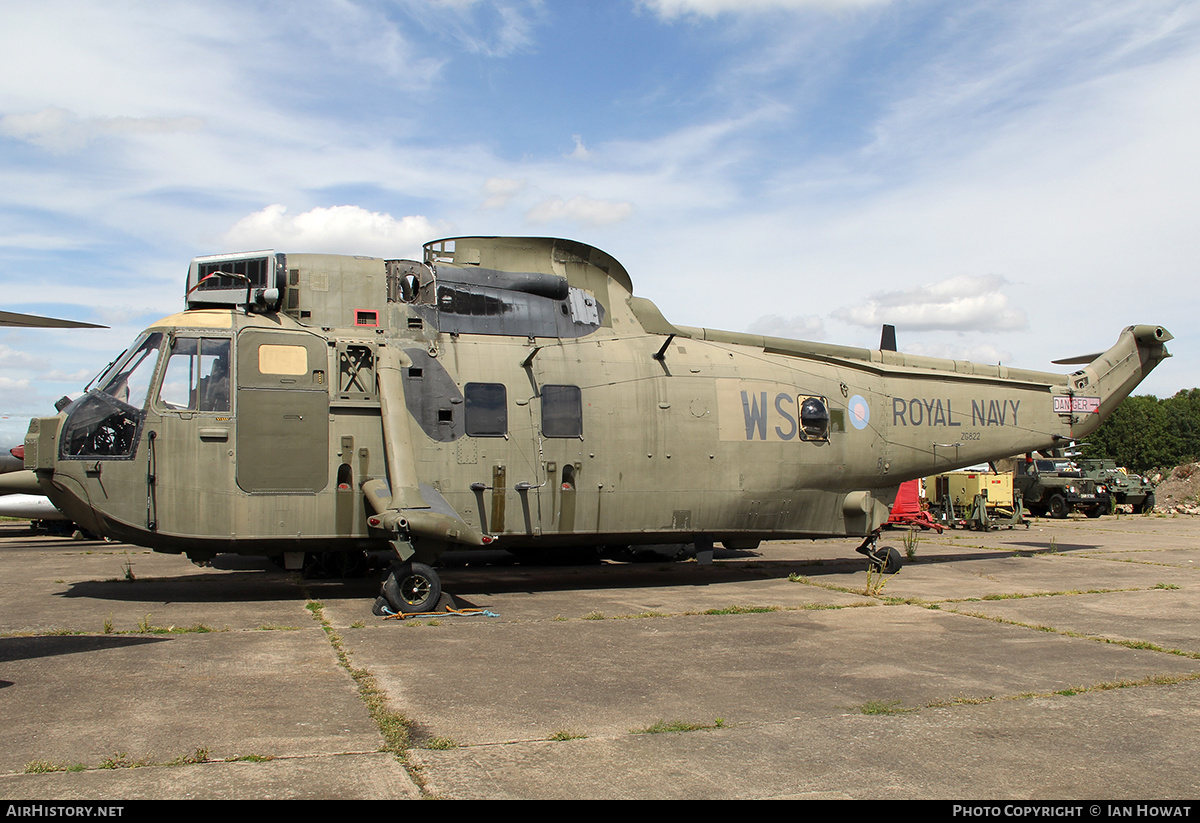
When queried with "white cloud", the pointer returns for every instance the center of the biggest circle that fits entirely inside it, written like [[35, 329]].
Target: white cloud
[[671, 9], [975, 352], [500, 190], [124, 313], [796, 328], [139, 59], [58, 130], [37, 241], [9, 385], [581, 151], [360, 36], [580, 210], [963, 303], [334, 230], [16, 359], [497, 28], [79, 378]]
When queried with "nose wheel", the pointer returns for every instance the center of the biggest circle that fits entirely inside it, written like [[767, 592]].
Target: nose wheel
[[410, 588]]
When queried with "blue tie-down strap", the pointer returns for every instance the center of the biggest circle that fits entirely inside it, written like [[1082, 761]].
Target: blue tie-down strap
[[388, 614]]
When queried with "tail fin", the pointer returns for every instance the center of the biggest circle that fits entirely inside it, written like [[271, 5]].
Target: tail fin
[[1112, 375]]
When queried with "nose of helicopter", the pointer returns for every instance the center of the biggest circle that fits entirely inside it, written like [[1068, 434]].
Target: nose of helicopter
[[56, 478]]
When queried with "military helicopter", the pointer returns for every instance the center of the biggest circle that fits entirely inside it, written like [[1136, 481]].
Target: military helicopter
[[512, 392]]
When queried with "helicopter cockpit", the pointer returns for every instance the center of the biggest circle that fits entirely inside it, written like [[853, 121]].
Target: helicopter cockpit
[[105, 421]]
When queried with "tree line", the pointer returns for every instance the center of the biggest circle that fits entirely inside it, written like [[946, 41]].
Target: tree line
[[1145, 432]]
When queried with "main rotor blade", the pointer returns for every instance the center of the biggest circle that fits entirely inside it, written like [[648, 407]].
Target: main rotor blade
[[33, 321]]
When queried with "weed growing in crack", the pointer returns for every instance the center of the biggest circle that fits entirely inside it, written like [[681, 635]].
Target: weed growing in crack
[[882, 707], [664, 726], [441, 744]]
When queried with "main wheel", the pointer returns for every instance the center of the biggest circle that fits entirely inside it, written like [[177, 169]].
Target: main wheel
[[886, 559], [1147, 505], [1058, 506], [412, 588]]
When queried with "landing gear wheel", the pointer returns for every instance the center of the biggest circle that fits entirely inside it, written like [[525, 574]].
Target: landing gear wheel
[[885, 559], [1058, 507], [411, 588]]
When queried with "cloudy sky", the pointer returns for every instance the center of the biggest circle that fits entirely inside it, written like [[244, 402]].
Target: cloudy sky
[[1007, 182]]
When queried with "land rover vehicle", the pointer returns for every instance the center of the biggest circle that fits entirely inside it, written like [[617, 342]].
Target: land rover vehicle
[[1056, 487]]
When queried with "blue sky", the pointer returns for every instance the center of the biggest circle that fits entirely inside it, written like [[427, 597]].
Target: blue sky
[[1005, 182]]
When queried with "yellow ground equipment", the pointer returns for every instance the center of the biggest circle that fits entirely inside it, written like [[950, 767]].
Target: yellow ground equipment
[[975, 500]]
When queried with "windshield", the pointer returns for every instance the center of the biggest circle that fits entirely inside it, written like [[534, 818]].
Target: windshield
[[106, 421], [129, 380]]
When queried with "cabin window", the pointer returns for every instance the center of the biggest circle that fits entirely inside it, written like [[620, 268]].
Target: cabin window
[[562, 411], [197, 375], [487, 409]]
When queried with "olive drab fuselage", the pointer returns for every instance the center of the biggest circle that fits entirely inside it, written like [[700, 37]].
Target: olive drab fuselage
[[514, 392]]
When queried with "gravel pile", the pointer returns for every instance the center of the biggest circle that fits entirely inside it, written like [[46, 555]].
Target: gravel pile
[[1179, 489]]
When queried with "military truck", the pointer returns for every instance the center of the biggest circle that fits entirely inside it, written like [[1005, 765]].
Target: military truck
[[1126, 489], [1056, 487]]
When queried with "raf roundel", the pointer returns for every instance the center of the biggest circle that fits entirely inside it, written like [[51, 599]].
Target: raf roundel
[[860, 412]]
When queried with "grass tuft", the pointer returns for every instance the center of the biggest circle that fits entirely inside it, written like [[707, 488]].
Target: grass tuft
[[743, 610], [441, 744], [882, 707], [665, 726], [198, 756], [43, 767]]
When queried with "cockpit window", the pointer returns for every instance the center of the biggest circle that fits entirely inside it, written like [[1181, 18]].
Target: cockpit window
[[106, 422], [197, 375]]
